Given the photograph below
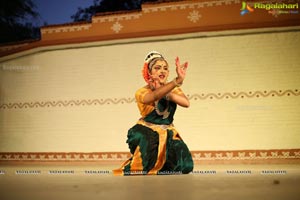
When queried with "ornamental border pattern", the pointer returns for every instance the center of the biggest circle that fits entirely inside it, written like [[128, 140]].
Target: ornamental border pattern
[[119, 17], [184, 6], [71, 28], [11, 47], [115, 101], [234, 155]]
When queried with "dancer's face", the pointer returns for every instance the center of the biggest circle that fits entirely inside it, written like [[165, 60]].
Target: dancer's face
[[160, 70]]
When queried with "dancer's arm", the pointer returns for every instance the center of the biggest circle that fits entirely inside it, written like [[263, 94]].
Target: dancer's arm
[[180, 99], [163, 90]]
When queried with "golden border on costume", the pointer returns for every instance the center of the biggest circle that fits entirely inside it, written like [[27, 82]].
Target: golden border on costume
[[108, 101]]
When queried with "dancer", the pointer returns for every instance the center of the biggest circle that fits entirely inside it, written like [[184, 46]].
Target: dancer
[[155, 145]]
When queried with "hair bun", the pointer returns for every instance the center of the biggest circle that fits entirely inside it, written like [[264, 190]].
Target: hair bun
[[151, 55]]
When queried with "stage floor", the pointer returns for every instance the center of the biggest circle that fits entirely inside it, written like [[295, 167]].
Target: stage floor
[[94, 181]]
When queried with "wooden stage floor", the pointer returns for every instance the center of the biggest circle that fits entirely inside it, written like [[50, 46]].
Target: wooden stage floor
[[94, 181]]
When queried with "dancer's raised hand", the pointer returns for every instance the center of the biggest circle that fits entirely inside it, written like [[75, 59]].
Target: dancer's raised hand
[[180, 70]]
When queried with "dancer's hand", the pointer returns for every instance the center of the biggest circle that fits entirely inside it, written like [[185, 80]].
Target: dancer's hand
[[180, 70], [155, 83]]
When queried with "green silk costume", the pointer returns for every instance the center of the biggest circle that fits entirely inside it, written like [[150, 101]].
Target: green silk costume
[[154, 143]]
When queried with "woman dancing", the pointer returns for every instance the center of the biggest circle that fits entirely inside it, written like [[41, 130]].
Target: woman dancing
[[154, 143]]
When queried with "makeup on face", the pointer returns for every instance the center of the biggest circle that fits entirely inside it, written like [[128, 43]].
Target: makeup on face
[[161, 70]]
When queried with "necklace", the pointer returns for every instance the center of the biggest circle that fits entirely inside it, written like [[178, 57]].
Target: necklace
[[164, 113]]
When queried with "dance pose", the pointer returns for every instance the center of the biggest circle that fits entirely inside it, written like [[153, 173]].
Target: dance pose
[[154, 143]]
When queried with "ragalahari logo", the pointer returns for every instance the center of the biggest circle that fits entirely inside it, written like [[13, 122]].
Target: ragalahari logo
[[246, 8], [272, 8]]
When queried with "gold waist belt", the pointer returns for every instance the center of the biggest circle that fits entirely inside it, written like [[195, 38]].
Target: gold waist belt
[[149, 124]]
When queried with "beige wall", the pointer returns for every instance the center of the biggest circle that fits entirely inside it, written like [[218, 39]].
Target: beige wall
[[223, 62]]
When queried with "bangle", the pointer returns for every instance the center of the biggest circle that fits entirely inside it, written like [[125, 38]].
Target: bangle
[[175, 82]]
